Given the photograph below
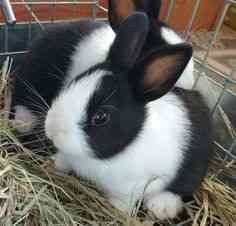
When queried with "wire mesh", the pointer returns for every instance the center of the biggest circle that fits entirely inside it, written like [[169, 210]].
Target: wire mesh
[[221, 83]]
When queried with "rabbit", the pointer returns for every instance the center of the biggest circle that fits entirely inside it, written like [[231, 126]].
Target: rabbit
[[42, 74], [124, 125]]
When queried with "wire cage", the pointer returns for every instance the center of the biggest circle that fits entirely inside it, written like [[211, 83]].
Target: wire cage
[[215, 71]]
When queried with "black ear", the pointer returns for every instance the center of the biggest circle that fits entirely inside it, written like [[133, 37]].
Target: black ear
[[129, 41], [157, 73], [119, 10]]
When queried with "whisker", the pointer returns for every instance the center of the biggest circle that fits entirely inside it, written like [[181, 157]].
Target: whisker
[[109, 97], [111, 106], [34, 91], [58, 69], [31, 133], [33, 142], [38, 104], [35, 104], [42, 141], [39, 126], [39, 114], [56, 76]]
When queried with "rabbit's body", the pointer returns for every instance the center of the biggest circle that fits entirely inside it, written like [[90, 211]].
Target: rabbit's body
[[149, 145]]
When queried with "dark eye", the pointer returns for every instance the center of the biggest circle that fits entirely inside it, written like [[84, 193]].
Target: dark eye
[[100, 118]]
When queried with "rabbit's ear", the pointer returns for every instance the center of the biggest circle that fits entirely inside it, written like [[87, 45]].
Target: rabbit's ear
[[160, 70], [129, 41], [119, 10]]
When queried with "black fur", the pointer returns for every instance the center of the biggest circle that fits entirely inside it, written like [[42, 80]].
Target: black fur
[[115, 95], [154, 38], [129, 41], [126, 117], [152, 9], [200, 149]]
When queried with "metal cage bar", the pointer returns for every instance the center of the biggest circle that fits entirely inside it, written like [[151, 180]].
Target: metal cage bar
[[7, 11], [170, 9], [194, 14], [214, 37]]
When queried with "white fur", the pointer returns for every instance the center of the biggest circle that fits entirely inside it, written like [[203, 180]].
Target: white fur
[[93, 49], [165, 205], [157, 153], [170, 36], [61, 163], [186, 80], [24, 120]]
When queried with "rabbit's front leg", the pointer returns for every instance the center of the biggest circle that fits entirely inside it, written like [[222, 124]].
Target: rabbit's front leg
[[122, 202], [61, 163], [165, 205]]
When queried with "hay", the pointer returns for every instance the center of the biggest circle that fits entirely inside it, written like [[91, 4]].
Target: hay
[[33, 193]]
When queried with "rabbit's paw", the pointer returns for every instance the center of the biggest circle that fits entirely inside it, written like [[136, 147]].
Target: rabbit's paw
[[61, 164], [165, 205], [122, 204]]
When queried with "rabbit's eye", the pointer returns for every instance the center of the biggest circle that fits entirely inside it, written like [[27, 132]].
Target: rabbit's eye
[[100, 118]]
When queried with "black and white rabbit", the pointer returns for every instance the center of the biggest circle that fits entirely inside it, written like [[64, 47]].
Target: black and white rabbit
[[61, 53], [123, 125], [170, 132]]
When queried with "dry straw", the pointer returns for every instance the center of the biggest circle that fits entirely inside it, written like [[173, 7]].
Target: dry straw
[[33, 193]]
